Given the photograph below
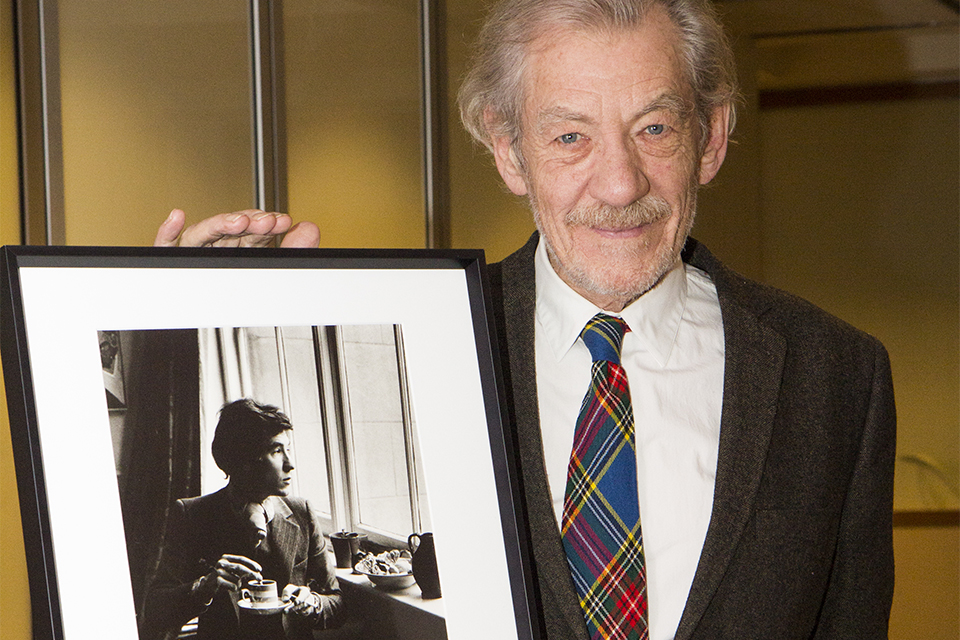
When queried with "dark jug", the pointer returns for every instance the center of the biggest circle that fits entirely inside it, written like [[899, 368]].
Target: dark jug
[[425, 570]]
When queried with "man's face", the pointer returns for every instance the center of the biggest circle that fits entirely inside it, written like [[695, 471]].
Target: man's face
[[610, 156], [270, 474]]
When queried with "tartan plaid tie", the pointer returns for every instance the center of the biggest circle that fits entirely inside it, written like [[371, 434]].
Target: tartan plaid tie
[[601, 512]]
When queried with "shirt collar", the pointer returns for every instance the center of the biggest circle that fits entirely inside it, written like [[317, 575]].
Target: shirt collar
[[654, 318], [270, 505]]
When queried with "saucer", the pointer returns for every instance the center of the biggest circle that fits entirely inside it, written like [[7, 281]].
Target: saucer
[[261, 609]]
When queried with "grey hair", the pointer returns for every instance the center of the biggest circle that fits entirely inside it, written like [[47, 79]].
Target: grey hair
[[491, 97]]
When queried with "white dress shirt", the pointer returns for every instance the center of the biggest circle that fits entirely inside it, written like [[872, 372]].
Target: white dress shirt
[[673, 357]]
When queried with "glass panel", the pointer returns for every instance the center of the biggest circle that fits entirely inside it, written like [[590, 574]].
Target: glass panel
[[373, 387], [352, 78], [262, 379], [302, 405], [155, 114], [309, 451]]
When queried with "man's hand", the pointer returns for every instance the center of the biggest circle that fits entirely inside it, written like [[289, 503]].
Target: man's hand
[[249, 228], [301, 601], [230, 572]]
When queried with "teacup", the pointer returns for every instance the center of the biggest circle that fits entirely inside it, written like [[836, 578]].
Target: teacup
[[261, 593]]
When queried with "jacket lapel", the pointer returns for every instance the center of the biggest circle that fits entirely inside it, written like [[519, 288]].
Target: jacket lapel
[[285, 534], [563, 615], [754, 358]]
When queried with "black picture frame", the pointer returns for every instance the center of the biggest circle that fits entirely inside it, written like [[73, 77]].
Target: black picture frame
[[54, 300]]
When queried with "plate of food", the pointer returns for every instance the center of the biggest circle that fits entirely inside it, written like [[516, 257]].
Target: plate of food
[[390, 570]]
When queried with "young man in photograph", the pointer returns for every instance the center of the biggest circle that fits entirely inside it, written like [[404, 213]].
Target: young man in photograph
[[252, 529]]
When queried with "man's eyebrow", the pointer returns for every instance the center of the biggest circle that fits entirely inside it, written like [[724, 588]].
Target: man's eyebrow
[[670, 102], [559, 113]]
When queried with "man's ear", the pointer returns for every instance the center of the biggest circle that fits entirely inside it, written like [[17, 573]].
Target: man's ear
[[507, 162], [716, 148]]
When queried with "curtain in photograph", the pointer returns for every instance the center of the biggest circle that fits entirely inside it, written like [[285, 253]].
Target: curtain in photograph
[[162, 455]]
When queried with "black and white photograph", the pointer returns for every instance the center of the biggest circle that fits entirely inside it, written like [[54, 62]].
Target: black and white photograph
[[241, 450], [327, 464]]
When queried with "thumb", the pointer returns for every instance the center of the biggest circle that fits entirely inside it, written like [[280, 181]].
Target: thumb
[[303, 235], [170, 229]]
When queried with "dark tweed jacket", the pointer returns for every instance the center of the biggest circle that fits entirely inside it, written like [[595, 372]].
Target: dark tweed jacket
[[799, 544], [204, 528]]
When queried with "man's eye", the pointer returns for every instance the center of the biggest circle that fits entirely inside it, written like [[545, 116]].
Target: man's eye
[[655, 129], [569, 138]]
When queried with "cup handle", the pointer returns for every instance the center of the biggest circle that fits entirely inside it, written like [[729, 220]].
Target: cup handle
[[244, 594]]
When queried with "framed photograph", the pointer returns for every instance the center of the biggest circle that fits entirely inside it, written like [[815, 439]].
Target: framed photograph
[[131, 378]]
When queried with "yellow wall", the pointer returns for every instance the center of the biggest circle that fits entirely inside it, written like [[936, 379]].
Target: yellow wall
[[14, 595], [9, 189], [926, 600], [861, 217]]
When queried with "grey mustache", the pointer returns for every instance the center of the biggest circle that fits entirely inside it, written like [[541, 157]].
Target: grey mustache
[[603, 216]]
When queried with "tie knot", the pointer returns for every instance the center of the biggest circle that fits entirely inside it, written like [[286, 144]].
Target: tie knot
[[256, 515], [603, 335]]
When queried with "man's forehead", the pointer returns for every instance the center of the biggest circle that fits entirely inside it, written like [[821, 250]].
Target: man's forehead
[[281, 438], [571, 73], [656, 34]]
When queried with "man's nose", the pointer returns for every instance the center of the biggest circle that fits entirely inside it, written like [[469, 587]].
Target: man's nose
[[287, 463], [619, 179]]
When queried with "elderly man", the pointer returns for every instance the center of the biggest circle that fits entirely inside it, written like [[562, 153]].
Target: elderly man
[[749, 433]]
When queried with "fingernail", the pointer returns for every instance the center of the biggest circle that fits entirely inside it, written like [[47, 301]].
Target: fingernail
[[233, 217]]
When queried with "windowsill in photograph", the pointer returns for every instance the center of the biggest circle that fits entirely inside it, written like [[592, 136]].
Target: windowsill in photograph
[[409, 596]]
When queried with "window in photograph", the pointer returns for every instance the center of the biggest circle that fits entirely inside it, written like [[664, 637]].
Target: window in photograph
[[344, 389]]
